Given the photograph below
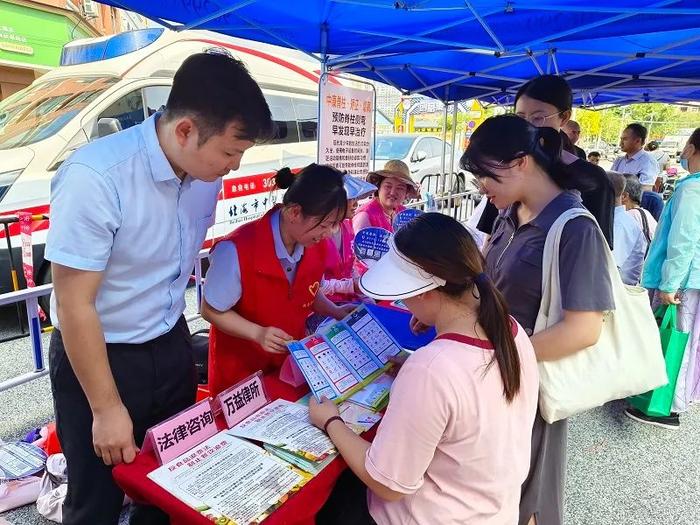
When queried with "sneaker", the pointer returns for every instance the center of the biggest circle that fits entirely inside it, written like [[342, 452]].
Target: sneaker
[[671, 422]]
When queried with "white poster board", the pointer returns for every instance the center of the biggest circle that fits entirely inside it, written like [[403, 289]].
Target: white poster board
[[346, 125]]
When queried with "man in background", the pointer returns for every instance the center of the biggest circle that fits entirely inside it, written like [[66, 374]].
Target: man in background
[[636, 160], [573, 131], [594, 157]]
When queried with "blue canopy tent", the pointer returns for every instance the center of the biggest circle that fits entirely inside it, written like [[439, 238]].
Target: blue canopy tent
[[613, 52]]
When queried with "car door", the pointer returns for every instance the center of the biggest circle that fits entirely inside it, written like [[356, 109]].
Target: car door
[[424, 167]]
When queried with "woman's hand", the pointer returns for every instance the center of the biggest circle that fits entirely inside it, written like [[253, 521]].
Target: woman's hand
[[321, 412], [417, 327], [342, 311], [273, 339], [669, 297], [397, 361]]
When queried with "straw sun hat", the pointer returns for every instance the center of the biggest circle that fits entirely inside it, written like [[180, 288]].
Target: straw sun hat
[[396, 170]]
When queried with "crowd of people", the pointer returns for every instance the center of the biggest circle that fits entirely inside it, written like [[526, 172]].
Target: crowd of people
[[462, 440]]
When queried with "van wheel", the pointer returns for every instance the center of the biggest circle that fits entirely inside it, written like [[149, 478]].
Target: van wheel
[[45, 277]]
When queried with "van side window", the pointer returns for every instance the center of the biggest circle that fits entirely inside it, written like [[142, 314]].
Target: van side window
[[128, 110], [284, 119], [155, 98], [307, 116]]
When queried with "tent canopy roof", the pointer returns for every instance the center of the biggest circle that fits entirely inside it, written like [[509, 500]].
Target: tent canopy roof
[[611, 51]]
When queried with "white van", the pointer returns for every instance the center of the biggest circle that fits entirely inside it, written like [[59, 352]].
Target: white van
[[116, 82]]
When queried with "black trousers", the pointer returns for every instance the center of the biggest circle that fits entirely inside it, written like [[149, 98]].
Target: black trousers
[[347, 504], [155, 380]]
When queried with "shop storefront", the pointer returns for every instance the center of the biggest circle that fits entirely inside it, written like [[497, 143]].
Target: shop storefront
[[31, 38]]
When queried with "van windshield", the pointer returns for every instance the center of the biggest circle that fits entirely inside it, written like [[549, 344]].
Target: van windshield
[[41, 110]]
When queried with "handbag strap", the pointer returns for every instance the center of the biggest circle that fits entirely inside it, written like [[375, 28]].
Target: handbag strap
[[669, 319], [551, 287]]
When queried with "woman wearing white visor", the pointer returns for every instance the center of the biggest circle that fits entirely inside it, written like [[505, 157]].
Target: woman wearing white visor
[[454, 444]]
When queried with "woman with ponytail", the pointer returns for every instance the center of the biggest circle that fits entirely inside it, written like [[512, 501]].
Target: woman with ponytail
[[520, 170], [454, 444], [546, 102], [264, 278]]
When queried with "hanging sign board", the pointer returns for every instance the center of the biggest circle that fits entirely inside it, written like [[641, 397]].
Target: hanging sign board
[[346, 124]]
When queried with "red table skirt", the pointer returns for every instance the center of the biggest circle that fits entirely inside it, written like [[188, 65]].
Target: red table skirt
[[299, 509]]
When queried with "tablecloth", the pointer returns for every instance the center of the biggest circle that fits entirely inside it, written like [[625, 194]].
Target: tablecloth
[[300, 509]]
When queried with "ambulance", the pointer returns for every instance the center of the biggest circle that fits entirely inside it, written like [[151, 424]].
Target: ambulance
[[109, 84]]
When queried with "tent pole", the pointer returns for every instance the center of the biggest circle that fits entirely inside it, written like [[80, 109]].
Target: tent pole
[[321, 80], [451, 182], [444, 143]]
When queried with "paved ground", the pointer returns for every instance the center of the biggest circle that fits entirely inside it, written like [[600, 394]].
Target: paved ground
[[619, 472]]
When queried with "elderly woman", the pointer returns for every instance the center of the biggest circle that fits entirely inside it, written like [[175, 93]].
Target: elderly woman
[[395, 187], [672, 270]]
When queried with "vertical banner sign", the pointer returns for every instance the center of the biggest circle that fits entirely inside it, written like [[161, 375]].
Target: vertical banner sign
[[25, 229], [347, 121]]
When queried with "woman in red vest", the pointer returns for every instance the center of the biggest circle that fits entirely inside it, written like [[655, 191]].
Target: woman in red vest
[[339, 278], [264, 278], [395, 187]]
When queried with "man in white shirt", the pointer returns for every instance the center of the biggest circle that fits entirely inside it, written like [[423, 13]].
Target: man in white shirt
[[636, 161], [631, 200], [129, 213], [630, 244]]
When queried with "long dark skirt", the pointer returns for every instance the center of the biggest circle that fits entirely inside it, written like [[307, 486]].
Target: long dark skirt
[[543, 490]]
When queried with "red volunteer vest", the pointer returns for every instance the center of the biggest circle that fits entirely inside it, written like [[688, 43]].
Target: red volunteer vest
[[268, 300]]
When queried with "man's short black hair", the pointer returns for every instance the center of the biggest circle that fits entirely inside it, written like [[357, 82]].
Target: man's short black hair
[[639, 131], [594, 154], [215, 90]]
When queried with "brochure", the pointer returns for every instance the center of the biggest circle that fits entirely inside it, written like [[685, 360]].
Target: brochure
[[286, 426], [229, 480], [349, 355], [374, 396]]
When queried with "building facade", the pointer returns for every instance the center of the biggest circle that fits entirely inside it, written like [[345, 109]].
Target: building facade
[[33, 33]]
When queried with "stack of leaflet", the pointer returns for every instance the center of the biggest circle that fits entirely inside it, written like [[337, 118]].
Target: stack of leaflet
[[312, 467], [285, 426], [375, 396]]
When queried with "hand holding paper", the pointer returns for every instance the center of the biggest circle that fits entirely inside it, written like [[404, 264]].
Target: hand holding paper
[[321, 412], [273, 339]]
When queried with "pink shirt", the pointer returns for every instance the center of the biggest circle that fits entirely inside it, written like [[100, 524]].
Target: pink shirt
[[450, 442]]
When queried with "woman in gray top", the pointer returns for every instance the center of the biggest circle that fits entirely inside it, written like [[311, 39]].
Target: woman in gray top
[[519, 168]]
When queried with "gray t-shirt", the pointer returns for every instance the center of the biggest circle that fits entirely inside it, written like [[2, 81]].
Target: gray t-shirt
[[514, 261]]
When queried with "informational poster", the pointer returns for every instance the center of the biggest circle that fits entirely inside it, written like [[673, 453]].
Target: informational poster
[[346, 124], [228, 480]]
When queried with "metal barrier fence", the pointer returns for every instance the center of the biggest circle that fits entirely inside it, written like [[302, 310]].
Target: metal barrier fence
[[459, 205]]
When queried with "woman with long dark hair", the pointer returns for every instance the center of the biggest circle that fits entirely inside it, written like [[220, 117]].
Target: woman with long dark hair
[[454, 444], [520, 169], [546, 102]]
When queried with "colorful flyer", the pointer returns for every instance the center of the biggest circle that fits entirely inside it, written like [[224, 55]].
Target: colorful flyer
[[229, 480], [347, 356]]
